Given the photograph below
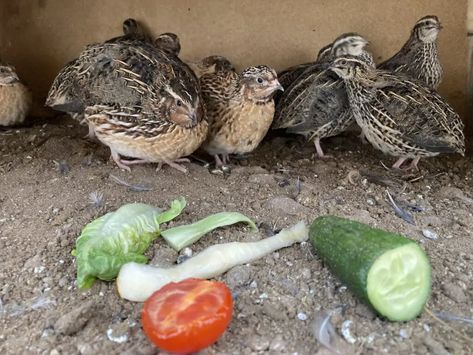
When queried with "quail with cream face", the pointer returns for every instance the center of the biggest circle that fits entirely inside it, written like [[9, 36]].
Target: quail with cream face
[[240, 109]]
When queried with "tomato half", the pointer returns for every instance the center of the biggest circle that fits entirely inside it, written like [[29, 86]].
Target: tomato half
[[187, 316]]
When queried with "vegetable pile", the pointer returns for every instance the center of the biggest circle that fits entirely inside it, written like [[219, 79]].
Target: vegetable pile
[[389, 272], [184, 313]]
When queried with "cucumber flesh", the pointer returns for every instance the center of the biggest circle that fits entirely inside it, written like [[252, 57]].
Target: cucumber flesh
[[398, 282]]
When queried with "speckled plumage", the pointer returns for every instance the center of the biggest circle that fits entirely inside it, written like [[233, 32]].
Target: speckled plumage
[[418, 58], [400, 116], [289, 75], [316, 104], [240, 109], [131, 90], [15, 98], [145, 137], [211, 65]]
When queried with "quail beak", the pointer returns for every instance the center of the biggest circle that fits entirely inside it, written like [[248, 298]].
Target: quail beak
[[277, 86], [192, 116], [439, 27], [9, 79]]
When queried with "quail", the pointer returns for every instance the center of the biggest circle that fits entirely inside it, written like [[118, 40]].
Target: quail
[[316, 104], [210, 65], [15, 98], [418, 58], [240, 109], [139, 100], [399, 116]]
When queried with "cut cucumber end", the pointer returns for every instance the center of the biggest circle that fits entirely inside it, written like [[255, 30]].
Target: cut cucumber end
[[399, 282]]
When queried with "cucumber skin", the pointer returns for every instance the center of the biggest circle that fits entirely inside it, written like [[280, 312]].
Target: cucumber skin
[[350, 248]]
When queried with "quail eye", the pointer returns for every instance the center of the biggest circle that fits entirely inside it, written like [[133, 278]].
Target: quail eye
[[259, 80], [179, 103]]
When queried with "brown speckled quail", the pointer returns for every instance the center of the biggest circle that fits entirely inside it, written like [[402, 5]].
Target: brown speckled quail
[[240, 109], [210, 65], [316, 104], [139, 100], [15, 98], [418, 58], [399, 116]]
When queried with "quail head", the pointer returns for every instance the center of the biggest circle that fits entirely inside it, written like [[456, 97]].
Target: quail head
[[399, 116], [210, 65], [316, 104], [168, 42], [15, 98], [240, 109], [351, 44], [132, 30], [418, 58]]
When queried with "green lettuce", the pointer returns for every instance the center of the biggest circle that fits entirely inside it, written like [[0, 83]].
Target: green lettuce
[[119, 237], [183, 236]]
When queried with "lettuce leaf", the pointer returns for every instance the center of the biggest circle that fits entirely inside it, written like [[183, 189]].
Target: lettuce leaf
[[116, 238], [183, 236]]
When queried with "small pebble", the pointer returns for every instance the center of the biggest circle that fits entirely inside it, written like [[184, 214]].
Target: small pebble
[[238, 276], [347, 333], [403, 334], [301, 316], [429, 234]]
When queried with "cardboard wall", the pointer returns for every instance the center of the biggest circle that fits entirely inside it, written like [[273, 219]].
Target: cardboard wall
[[39, 36]]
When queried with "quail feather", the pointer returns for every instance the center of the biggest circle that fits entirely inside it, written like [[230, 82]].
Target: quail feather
[[418, 58], [399, 116]]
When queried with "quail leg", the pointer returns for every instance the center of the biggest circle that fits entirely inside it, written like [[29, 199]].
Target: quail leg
[[133, 162], [218, 161], [319, 150], [116, 158], [363, 138], [398, 163], [413, 164], [91, 134], [225, 158], [174, 164]]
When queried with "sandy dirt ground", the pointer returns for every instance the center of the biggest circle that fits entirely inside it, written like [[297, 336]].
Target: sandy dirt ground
[[48, 171]]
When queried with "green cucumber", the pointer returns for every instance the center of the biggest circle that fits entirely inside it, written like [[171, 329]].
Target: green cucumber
[[389, 272]]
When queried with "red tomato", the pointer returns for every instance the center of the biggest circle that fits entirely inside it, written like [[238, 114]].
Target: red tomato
[[187, 316]]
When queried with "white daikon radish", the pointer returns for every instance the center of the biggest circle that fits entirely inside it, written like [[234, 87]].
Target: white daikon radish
[[136, 282]]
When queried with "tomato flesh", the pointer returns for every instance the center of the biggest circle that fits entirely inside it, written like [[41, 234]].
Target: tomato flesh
[[187, 316]]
